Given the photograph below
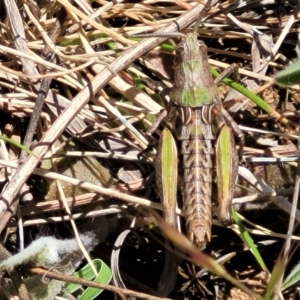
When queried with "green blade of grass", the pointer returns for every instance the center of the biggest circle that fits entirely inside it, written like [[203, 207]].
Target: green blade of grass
[[289, 76], [249, 242], [275, 279], [16, 144], [292, 278], [254, 98]]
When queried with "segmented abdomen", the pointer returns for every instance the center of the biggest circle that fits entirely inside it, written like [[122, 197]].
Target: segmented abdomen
[[196, 149]]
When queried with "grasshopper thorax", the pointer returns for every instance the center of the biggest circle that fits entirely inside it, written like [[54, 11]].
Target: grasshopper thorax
[[193, 83]]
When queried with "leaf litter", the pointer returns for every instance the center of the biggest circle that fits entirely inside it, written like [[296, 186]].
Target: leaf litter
[[114, 119]]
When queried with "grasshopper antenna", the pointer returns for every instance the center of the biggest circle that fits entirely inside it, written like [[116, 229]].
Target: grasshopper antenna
[[202, 14]]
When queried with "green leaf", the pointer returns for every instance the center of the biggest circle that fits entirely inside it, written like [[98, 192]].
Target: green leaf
[[292, 278], [104, 276], [137, 81], [289, 76]]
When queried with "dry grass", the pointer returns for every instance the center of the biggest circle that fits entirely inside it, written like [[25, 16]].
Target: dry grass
[[102, 98]]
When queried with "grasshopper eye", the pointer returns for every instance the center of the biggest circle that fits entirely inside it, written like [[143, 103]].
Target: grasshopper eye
[[202, 45], [179, 50]]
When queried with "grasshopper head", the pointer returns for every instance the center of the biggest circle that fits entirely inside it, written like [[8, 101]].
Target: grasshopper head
[[190, 49]]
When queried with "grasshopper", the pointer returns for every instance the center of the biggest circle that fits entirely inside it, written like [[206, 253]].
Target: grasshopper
[[201, 124]]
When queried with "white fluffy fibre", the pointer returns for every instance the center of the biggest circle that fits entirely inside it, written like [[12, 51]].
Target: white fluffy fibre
[[50, 253]]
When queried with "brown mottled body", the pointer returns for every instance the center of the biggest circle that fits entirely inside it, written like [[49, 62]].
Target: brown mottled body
[[199, 120], [197, 149]]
